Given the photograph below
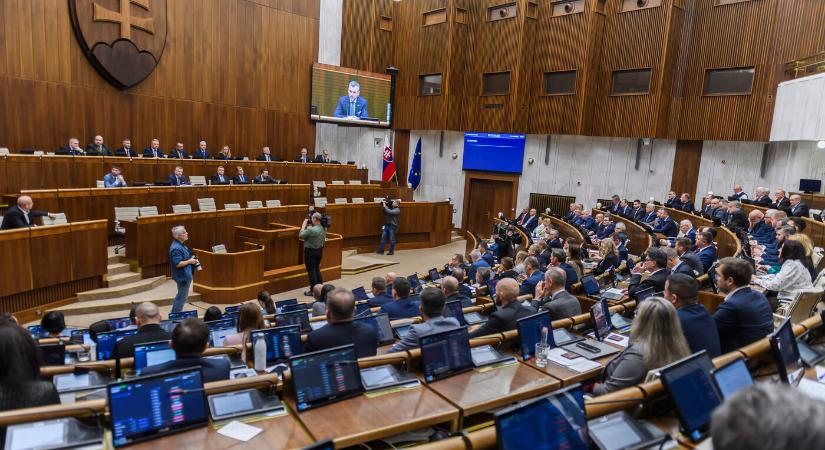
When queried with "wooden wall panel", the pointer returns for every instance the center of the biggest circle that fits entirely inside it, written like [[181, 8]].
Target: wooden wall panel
[[233, 72]]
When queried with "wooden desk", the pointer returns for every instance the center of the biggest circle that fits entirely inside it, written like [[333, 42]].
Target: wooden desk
[[566, 376], [477, 391], [368, 192], [362, 419]]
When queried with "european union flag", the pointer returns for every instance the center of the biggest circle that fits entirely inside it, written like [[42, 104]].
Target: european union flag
[[415, 170]]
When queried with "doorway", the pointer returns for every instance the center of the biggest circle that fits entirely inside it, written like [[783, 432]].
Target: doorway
[[485, 195]]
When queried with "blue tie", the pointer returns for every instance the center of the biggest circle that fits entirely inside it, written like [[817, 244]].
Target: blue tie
[[352, 108]]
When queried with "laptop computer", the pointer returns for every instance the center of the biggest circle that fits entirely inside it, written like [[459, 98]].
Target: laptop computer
[[487, 355], [529, 333], [76, 382], [594, 348], [434, 276], [445, 354], [325, 376], [152, 353], [454, 309], [182, 315], [53, 354], [282, 343], [300, 317], [362, 309], [152, 406], [81, 337], [281, 303], [415, 282], [360, 293], [106, 342], [786, 354], [381, 323], [231, 309], [689, 384], [491, 288], [731, 378], [590, 286], [402, 330], [548, 422], [295, 307], [644, 294], [118, 323]]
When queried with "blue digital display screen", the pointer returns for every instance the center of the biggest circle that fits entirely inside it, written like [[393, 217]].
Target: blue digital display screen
[[493, 152]]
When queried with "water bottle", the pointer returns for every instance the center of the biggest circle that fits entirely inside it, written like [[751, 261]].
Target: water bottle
[[93, 351], [260, 352]]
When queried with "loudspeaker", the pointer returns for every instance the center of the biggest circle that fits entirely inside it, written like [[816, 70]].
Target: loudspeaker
[[768, 150], [441, 144], [547, 149]]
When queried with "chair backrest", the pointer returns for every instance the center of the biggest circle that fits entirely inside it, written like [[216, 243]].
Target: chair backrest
[[38, 153], [59, 219], [816, 257], [4, 151], [126, 213], [181, 209], [378, 199], [148, 211], [100, 184], [220, 248], [357, 200], [319, 184], [340, 200], [354, 181], [206, 204], [232, 206], [273, 203], [337, 182], [800, 308], [320, 202], [254, 204], [197, 180]]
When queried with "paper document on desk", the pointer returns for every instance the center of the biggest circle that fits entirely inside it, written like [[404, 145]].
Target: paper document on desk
[[240, 431], [812, 389], [613, 292], [571, 360]]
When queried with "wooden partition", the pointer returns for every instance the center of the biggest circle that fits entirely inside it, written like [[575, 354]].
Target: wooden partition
[[49, 264], [28, 172], [229, 277], [639, 240], [366, 191], [565, 229], [727, 244]]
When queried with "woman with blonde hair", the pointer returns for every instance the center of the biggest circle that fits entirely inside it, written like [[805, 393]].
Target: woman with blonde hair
[[609, 256], [656, 340], [250, 318], [225, 153], [519, 262]]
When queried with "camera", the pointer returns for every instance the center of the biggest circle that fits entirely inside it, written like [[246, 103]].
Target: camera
[[325, 219], [388, 202]]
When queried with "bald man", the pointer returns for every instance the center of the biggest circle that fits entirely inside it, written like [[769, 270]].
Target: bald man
[[450, 287], [758, 229], [98, 148], [23, 215], [147, 318], [508, 312]]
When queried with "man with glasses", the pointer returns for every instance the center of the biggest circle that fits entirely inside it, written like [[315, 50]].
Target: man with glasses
[[654, 262]]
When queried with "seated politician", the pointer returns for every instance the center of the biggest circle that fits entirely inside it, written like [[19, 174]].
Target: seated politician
[[552, 296], [655, 263], [508, 310], [265, 155], [240, 178], [341, 329], [114, 178], [225, 154], [303, 157], [126, 150], [433, 321], [219, 177], [404, 305], [264, 178], [73, 148], [379, 293], [178, 152], [98, 148], [147, 319], [153, 150], [22, 215], [189, 340], [201, 152], [352, 105], [178, 178], [323, 157]]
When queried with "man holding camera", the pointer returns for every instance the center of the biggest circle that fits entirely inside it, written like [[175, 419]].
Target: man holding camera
[[313, 233], [392, 209]]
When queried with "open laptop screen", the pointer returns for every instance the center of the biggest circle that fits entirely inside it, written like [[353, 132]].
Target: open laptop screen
[[786, 354], [732, 378], [293, 318], [529, 333], [445, 354], [325, 376], [106, 342], [601, 319], [182, 315], [590, 285], [151, 354], [689, 384], [453, 309], [556, 421], [282, 343], [360, 293]]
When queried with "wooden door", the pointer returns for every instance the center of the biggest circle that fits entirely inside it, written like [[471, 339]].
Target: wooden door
[[486, 199], [686, 169]]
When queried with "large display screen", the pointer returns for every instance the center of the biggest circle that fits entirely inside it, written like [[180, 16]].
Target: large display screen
[[343, 95], [493, 152]]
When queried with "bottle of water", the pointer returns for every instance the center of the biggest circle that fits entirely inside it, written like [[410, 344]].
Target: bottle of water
[[92, 351], [260, 352]]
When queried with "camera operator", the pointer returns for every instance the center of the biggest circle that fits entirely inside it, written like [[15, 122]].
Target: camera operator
[[392, 209], [313, 233], [507, 238]]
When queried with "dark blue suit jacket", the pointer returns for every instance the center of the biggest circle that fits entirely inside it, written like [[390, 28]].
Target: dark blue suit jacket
[[603, 232], [173, 180], [699, 329], [688, 207], [343, 108], [572, 276], [201, 154], [173, 153], [648, 218], [762, 232], [743, 318], [211, 369], [403, 308], [528, 286], [668, 228], [363, 336], [708, 256], [684, 268], [147, 153], [379, 300]]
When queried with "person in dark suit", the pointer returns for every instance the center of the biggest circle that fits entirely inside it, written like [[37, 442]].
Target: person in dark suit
[[459, 274], [534, 276], [553, 240], [98, 148], [178, 178], [666, 226], [508, 310], [265, 155], [201, 152], [675, 264], [73, 148], [687, 203], [655, 262], [219, 177], [403, 305], [189, 340], [615, 203], [760, 231], [303, 157], [20, 383], [605, 228], [683, 249], [610, 256], [705, 250], [673, 201], [762, 197], [798, 209], [379, 293], [738, 194], [531, 221], [147, 318], [352, 104], [22, 215], [323, 157], [558, 258], [636, 212], [264, 178], [450, 286], [745, 316], [649, 215], [698, 326], [178, 152], [552, 296], [432, 310], [585, 221], [781, 202], [341, 329], [126, 150], [736, 217], [240, 178], [153, 150]]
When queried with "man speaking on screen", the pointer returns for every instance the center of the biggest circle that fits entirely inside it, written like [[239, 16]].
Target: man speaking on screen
[[352, 105]]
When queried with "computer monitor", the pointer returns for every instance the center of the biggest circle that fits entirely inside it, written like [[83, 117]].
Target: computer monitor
[[590, 285], [281, 342], [382, 325], [529, 333], [786, 354], [220, 323], [217, 335], [53, 354], [600, 316], [325, 376], [810, 185], [106, 342], [157, 405], [445, 354], [731, 378], [182, 315], [453, 309], [433, 274], [151, 354], [120, 322], [549, 422], [689, 384], [232, 309], [230, 315], [360, 293], [300, 317], [81, 337], [281, 303], [644, 294]]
